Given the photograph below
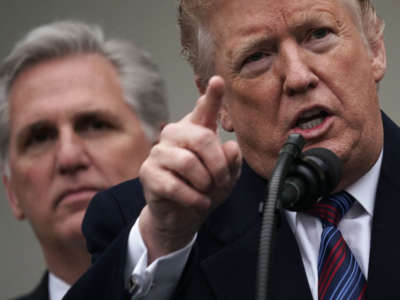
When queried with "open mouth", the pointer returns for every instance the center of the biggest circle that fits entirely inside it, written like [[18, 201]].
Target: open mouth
[[311, 119]]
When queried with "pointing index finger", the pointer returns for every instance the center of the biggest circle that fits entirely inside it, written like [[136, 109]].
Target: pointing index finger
[[206, 110]]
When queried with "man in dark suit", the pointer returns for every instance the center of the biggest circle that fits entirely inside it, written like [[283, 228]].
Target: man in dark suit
[[189, 229], [78, 114]]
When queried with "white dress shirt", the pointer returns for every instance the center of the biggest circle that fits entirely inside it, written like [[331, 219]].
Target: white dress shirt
[[355, 227], [57, 287], [158, 280]]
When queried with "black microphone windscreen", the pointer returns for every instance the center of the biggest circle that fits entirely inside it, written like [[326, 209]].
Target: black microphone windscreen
[[328, 162]]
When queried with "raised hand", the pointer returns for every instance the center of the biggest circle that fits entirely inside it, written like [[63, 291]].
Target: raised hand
[[187, 174]]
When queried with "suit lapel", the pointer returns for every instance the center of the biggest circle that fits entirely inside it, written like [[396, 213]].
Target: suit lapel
[[289, 279], [231, 270], [384, 265], [105, 278], [233, 230], [41, 292]]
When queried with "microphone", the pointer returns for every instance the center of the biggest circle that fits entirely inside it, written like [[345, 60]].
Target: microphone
[[314, 175]]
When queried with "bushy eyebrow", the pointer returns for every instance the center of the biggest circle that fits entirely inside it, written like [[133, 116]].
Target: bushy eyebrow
[[249, 45], [81, 116], [95, 114], [106, 117], [267, 38], [307, 18]]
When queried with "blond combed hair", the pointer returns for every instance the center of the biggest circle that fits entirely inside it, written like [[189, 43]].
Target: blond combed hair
[[198, 45]]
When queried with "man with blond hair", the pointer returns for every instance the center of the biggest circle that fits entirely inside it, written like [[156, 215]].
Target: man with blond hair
[[265, 69]]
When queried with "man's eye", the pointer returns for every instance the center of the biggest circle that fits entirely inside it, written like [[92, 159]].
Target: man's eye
[[38, 137], [254, 57], [256, 63], [98, 125], [319, 33], [93, 124]]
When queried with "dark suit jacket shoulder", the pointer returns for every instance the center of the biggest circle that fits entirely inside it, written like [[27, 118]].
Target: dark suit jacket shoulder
[[109, 212], [41, 292], [222, 264]]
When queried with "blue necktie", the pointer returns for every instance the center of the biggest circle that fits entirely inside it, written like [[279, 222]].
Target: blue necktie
[[340, 276]]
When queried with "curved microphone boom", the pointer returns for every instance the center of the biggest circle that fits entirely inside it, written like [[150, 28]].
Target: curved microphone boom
[[316, 174], [297, 181]]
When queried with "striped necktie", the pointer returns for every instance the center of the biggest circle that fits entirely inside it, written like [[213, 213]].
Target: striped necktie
[[340, 276]]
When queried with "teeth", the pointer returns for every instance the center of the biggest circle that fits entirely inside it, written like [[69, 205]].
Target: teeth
[[311, 124], [311, 119]]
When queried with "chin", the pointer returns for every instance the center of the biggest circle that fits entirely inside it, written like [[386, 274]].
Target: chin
[[72, 228], [338, 147], [323, 144]]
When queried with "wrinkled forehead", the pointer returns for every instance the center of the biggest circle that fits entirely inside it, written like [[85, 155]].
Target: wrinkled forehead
[[203, 6], [225, 16], [209, 10]]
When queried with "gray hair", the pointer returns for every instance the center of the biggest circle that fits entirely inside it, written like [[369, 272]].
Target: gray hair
[[143, 88]]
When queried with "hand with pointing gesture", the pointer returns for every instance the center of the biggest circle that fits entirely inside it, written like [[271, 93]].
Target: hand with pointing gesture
[[187, 174]]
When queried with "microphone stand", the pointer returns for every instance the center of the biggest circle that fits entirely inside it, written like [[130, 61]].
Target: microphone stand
[[288, 154]]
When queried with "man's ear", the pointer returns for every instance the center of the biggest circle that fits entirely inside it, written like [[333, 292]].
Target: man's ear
[[12, 199], [378, 59], [225, 119]]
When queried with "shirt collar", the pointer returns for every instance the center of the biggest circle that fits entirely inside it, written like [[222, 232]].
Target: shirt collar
[[57, 287], [364, 189]]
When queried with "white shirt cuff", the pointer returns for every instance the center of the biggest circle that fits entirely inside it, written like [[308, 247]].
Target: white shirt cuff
[[159, 279]]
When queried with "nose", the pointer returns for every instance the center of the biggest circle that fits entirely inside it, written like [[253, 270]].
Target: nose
[[71, 153], [297, 74]]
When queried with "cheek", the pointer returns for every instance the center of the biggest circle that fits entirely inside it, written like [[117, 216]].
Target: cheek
[[261, 91], [33, 195], [255, 107], [357, 93], [350, 70], [31, 179], [258, 128], [123, 160]]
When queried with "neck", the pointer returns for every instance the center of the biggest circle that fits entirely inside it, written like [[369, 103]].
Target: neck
[[67, 263]]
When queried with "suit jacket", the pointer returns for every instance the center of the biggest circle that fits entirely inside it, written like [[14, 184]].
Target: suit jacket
[[41, 292], [222, 264]]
